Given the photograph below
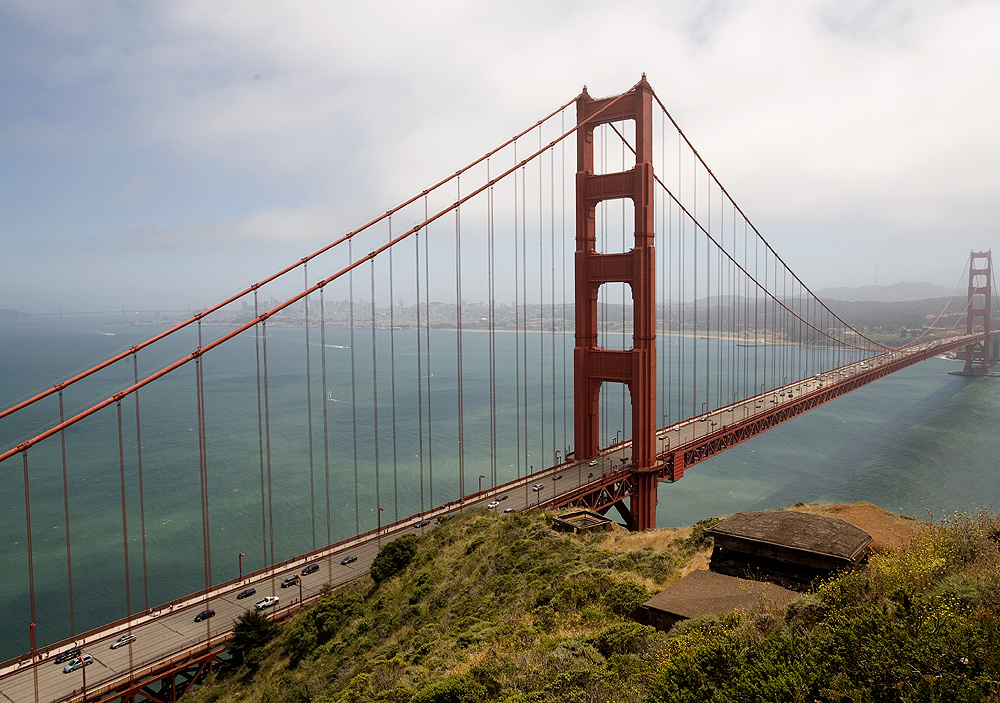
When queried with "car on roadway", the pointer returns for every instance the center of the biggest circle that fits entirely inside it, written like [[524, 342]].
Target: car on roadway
[[266, 602], [509, 510], [123, 640], [245, 593], [493, 504], [592, 463], [421, 523], [537, 487], [71, 653], [78, 663], [204, 615], [503, 497], [557, 477], [290, 581], [310, 569], [349, 559]]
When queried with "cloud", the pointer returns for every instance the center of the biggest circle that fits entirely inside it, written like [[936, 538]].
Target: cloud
[[221, 124]]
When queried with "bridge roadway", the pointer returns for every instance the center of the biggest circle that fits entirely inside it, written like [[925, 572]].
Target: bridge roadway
[[167, 635]]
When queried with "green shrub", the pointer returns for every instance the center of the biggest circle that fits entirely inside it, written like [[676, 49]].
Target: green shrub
[[251, 631], [393, 558], [461, 688], [623, 638], [625, 598]]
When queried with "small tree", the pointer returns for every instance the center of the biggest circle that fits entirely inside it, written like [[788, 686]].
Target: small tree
[[393, 558], [251, 631]]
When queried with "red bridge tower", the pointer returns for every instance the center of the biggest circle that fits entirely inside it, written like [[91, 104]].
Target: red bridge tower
[[977, 318], [594, 365]]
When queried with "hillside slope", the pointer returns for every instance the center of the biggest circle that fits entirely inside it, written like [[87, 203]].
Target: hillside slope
[[502, 608]]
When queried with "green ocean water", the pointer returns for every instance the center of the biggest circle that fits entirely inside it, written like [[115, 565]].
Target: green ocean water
[[917, 441]]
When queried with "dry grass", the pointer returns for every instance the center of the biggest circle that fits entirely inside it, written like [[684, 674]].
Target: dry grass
[[888, 530]]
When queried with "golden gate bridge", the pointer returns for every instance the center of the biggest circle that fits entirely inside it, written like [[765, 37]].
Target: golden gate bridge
[[668, 332]]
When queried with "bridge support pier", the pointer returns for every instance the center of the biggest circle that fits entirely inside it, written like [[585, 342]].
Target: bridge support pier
[[592, 364]]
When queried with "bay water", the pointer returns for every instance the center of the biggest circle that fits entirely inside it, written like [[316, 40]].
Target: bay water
[[376, 428]]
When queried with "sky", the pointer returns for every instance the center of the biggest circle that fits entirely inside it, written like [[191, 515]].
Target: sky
[[168, 154]]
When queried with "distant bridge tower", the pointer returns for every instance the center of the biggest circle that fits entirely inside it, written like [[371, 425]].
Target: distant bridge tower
[[593, 365], [977, 318]]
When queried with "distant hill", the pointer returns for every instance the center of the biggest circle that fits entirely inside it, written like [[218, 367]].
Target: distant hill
[[895, 293], [8, 314]]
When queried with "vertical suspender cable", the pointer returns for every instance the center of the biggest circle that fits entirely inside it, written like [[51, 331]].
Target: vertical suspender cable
[[562, 154], [31, 568], [375, 429], [420, 371], [203, 463], [392, 379], [682, 312], [142, 499], [121, 471], [695, 410], [267, 444], [260, 430], [524, 311], [491, 292], [541, 312], [326, 412], [427, 326], [458, 324], [354, 392], [756, 312], [517, 330], [309, 437], [552, 283], [664, 268], [69, 560], [708, 299]]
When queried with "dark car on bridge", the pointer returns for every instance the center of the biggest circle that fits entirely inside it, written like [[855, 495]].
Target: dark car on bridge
[[310, 569], [204, 615], [290, 581], [349, 559], [67, 655], [246, 593]]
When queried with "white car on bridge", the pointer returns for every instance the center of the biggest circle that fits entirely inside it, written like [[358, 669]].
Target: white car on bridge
[[266, 602]]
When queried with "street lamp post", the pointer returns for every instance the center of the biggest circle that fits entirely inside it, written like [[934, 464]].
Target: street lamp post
[[539, 491], [241, 565], [481, 477], [378, 534]]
